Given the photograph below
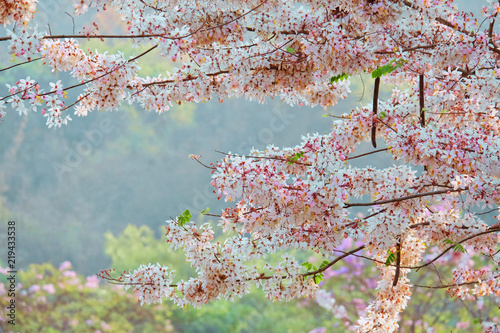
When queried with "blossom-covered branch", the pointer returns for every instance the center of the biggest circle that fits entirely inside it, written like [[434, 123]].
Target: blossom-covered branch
[[440, 124]]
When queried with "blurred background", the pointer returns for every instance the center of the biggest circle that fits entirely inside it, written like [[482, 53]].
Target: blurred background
[[96, 193]]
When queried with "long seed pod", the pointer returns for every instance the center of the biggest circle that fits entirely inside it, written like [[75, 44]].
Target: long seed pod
[[375, 108]]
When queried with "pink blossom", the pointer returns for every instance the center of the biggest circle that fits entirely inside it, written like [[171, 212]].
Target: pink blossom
[[49, 288]]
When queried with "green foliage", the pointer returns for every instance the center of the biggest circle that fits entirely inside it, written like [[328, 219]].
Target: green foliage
[[391, 257], [295, 158], [290, 50], [340, 77], [379, 72], [456, 247], [324, 263], [184, 218], [390, 67], [58, 300], [310, 268]]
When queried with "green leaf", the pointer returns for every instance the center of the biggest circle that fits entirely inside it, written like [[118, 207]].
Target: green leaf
[[307, 265], [386, 69], [184, 218], [340, 77], [456, 247], [295, 157], [391, 257], [382, 114], [205, 211], [290, 50], [324, 263], [318, 278]]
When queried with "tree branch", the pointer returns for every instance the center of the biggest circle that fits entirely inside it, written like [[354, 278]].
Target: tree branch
[[413, 196]]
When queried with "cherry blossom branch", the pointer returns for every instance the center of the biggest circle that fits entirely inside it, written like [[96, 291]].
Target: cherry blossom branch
[[77, 100], [106, 275], [438, 19], [106, 73], [23, 91], [489, 231], [196, 158], [266, 158], [413, 196], [448, 24], [333, 262]]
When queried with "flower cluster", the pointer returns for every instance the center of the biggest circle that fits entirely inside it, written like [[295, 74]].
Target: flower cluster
[[488, 283], [150, 283], [17, 11], [26, 41]]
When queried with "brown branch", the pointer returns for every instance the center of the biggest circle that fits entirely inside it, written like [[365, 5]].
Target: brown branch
[[369, 153], [189, 78], [413, 196], [387, 125], [333, 262], [489, 231], [423, 224], [409, 49], [452, 284], [19, 64], [266, 158], [194, 157]]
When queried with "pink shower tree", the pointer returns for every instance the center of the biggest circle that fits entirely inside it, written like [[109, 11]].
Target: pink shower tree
[[441, 123]]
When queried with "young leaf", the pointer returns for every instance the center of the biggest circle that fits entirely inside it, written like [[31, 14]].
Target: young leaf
[[307, 265], [340, 77], [324, 263], [456, 247], [386, 69], [391, 257], [295, 157], [290, 50], [318, 278], [205, 211], [184, 218]]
